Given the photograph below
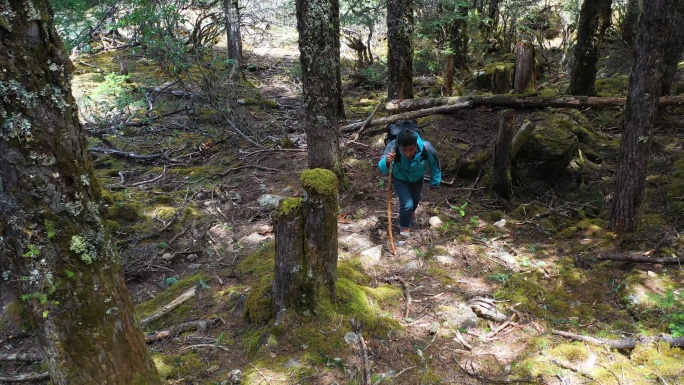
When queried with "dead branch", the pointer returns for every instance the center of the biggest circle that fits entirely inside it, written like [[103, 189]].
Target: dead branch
[[29, 377], [124, 154], [640, 258], [365, 124], [170, 306], [357, 327], [26, 357], [178, 329], [407, 293], [406, 115], [627, 343], [568, 365]]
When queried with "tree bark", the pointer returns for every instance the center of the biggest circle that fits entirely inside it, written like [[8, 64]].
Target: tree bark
[[640, 114], [54, 245], [524, 79], [501, 170], [400, 26], [234, 37], [320, 61], [673, 48], [320, 209], [289, 257], [594, 20], [306, 245]]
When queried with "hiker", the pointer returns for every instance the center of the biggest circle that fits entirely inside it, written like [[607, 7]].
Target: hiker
[[411, 156]]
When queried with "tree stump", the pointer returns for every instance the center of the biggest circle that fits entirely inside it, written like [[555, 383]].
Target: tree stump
[[289, 255], [524, 68], [501, 171], [306, 245]]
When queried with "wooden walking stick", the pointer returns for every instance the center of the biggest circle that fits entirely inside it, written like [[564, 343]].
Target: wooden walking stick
[[389, 210]]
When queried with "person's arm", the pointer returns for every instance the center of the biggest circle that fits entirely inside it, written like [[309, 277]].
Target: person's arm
[[388, 154], [435, 167]]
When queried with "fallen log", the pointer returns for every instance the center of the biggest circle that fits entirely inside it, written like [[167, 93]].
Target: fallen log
[[170, 306], [519, 102], [406, 115], [640, 258], [178, 329], [29, 377], [627, 343], [25, 357]]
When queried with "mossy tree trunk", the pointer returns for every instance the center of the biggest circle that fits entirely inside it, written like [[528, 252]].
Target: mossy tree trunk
[[400, 26], [640, 114], [306, 244], [319, 49], [594, 20], [55, 251], [234, 43], [524, 77]]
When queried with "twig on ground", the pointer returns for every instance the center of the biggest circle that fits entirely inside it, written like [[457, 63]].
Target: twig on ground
[[357, 327], [170, 306], [178, 329], [621, 344], [407, 293]]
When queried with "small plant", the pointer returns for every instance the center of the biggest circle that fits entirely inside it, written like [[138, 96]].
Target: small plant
[[50, 228], [474, 221], [33, 251], [500, 277], [460, 209], [672, 305]]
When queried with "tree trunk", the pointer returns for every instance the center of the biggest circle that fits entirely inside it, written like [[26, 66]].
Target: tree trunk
[[640, 113], [320, 61], [630, 23], [306, 245], [289, 257], [335, 16], [234, 38], [673, 48], [594, 20], [54, 245], [501, 170], [524, 79], [400, 25], [320, 208]]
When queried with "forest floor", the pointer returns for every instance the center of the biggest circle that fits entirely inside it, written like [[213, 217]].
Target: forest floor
[[186, 198]]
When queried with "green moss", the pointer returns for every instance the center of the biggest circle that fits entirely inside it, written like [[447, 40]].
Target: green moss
[[616, 85], [287, 205], [321, 180], [257, 271], [176, 366], [181, 313]]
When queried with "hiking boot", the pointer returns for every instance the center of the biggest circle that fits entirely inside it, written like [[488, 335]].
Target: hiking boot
[[405, 232], [413, 219]]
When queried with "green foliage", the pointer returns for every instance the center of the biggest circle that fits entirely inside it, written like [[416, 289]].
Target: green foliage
[[373, 77], [672, 305], [33, 251]]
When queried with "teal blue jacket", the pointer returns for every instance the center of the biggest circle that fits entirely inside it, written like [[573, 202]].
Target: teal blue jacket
[[413, 170]]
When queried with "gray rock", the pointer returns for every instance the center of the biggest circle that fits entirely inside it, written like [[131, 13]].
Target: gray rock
[[445, 259], [269, 202], [351, 338], [371, 256], [459, 317], [194, 266], [435, 221]]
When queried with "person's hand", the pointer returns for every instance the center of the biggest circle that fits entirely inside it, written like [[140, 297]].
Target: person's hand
[[390, 157]]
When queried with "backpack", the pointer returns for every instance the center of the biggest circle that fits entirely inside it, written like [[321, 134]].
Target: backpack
[[393, 131]]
